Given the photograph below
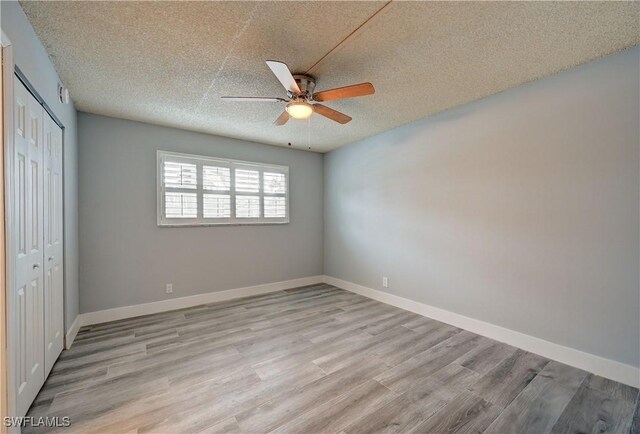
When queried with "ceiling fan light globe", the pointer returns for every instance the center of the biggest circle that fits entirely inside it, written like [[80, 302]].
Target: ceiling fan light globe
[[299, 110]]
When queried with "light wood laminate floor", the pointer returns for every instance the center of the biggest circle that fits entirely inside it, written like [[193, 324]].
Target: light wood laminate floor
[[317, 359]]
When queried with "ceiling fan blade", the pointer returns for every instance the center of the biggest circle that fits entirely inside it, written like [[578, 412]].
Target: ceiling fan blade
[[253, 98], [283, 74], [282, 119], [353, 91], [331, 113]]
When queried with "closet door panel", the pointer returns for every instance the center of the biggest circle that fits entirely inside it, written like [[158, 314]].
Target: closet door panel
[[27, 298], [53, 280]]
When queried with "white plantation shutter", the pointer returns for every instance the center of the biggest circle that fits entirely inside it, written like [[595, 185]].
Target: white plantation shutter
[[247, 207], [179, 179], [181, 205], [275, 207], [197, 190], [275, 195], [247, 181], [216, 178], [275, 183], [180, 175], [216, 206]]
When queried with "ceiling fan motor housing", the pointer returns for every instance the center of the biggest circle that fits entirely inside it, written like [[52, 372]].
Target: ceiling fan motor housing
[[306, 84]]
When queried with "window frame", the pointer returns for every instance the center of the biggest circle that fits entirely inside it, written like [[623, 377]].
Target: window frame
[[202, 160]]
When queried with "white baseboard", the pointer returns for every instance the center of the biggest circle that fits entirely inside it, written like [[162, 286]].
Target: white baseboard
[[589, 362], [117, 313], [71, 334]]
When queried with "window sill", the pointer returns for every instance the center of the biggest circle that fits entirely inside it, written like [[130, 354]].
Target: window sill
[[196, 225]]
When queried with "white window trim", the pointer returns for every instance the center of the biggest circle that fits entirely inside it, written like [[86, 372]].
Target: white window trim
[[199, 160]]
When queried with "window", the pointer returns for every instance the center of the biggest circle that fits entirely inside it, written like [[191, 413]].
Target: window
[[195, 190]]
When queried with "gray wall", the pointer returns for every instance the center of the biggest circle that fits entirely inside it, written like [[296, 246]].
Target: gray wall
[[127, 259], [32, 59], [521, 209]]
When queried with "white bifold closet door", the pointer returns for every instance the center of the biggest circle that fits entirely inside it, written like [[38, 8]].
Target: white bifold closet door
[[36, 304], [53, 280]]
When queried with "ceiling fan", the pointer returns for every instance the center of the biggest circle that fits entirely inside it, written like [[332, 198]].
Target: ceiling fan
[[301, 101]]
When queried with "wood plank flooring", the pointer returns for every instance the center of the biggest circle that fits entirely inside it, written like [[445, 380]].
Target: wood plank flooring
[[317, 359]]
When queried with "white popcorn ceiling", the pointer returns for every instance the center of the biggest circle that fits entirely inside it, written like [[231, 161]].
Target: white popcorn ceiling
[[168, 63]]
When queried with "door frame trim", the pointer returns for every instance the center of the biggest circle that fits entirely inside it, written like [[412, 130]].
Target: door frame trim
[[8, 145]]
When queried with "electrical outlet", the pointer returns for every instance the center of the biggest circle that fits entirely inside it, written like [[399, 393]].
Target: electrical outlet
[[169, 288], [385, 282]]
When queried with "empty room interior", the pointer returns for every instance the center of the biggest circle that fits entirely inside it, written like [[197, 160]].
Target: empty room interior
[[320, 217]]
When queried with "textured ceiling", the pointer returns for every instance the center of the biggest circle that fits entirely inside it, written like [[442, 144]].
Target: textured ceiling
[[169, 63]]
